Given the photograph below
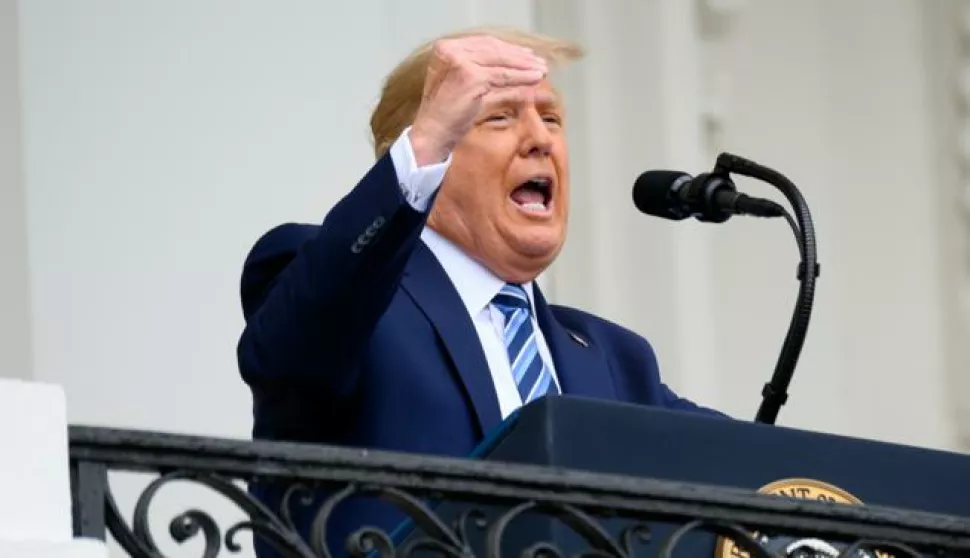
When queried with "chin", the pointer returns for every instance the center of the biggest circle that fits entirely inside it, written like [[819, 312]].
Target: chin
[[542, 246], [526, 251]]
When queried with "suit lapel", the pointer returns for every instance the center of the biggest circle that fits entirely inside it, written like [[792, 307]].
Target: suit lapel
[[432, 291], [580, 365]]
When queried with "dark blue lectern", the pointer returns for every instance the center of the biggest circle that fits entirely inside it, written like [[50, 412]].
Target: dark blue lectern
[[607, 437]]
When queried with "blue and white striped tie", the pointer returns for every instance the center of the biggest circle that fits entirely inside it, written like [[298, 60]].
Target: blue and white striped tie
[[532, 376]]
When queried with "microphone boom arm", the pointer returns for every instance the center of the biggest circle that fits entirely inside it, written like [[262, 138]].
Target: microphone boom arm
[[775, 392]]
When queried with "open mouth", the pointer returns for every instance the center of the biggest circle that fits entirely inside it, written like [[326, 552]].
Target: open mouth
[[534, 195]]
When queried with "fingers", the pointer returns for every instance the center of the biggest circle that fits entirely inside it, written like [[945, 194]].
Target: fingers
[[503, 64], [460, 74], [483, 63], [490, 52], [495, 53], [510, 77]]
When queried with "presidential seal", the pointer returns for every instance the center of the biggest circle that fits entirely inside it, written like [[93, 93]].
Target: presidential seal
[[780, 545]]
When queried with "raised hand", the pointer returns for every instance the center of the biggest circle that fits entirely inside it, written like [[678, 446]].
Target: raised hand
[[461, 72]]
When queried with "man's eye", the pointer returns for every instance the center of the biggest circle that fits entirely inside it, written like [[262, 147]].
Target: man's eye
[[498, 117], [552, 119]]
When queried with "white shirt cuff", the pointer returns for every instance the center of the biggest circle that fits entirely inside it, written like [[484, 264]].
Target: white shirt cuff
[[417, 184]]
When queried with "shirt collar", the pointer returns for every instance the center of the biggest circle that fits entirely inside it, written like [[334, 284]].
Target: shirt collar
[[475, 283]]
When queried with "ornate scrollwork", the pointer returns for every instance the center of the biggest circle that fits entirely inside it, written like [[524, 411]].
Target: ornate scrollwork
[[280, 531], [601, 543], [435, 535], [742, 538], [467, 508], [140, 543], [431, 534]]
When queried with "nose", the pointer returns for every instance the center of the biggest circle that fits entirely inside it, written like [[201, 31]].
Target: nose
[[536, 137]]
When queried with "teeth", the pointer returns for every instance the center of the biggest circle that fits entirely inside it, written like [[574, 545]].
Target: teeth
[[534, 207]]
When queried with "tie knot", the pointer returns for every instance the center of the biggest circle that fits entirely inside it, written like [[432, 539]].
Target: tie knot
[[511, 297]]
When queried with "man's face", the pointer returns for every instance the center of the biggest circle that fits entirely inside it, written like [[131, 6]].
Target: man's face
[[505, 198]]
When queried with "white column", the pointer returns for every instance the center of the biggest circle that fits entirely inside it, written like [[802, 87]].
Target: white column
[[15, 358], [889, 190], [952, 100]]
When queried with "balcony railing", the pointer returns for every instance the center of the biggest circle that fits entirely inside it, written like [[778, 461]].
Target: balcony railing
[[613, 516]]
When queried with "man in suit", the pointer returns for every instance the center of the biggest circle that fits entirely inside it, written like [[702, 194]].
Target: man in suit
[[409, 318]]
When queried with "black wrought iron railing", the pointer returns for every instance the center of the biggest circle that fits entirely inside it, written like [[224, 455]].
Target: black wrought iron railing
[[466, 508]]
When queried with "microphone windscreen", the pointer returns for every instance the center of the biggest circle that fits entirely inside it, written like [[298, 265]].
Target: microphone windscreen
[[654, 193]]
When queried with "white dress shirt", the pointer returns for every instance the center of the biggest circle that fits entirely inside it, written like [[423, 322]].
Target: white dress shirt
[[476, 285]]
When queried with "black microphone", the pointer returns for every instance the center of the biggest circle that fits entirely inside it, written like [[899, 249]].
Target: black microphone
[[713, 197], [707, 197]]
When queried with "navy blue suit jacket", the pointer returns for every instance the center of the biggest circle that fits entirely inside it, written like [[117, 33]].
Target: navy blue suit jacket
[[355, 336]]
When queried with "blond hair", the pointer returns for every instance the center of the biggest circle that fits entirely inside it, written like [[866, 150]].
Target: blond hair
[[403, 87]]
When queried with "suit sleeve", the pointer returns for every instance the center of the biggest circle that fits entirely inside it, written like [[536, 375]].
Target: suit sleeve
[[316, 293]]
